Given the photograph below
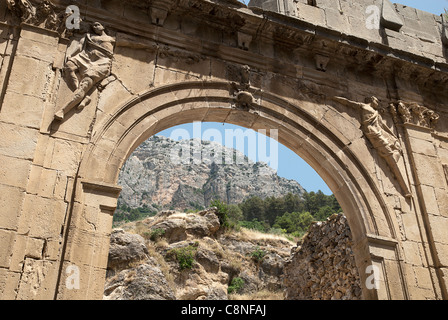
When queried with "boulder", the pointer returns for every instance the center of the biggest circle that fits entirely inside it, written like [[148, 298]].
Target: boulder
[[208, 260], [144, 282], [175, 229], [180, 226], [272, 264], [125, 249], [203, 224]]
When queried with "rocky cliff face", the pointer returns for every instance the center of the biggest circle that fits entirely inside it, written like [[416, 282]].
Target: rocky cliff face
[[160, 173], [153, 264]]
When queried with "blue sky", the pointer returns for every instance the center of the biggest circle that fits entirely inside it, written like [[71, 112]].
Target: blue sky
[[433, 6], [290, 165]]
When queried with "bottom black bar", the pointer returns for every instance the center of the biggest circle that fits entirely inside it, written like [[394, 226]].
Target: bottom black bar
[[231, 309]]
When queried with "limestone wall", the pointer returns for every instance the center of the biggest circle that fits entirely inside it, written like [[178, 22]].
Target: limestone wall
[[323, 266]]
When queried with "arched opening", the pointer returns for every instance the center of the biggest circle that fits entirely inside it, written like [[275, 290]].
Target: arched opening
[[157, 170], [176, 175], [318, 142]]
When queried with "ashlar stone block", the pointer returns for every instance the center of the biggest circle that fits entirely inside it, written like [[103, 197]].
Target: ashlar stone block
[[17, 141], [11, 199], [7, 240]]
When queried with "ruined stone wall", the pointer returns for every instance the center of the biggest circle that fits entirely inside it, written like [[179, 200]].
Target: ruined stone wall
[[323, 266]]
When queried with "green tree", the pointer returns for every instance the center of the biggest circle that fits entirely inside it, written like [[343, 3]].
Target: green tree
[[253, 208], [223, 213], [293, 203], [234, 213], [324, 213], [273, 208], [294, 221], [254, 225], [134, 214]]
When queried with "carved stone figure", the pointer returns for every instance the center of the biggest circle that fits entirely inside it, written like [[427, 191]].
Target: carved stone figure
[[380, 135], [92, 61], [243, 98], [416, 114], [24, 9], [404, 112], [41, 14], [245, 77], [433, 118]]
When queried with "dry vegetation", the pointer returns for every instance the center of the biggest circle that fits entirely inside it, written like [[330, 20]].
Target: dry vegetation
[[260, 295]]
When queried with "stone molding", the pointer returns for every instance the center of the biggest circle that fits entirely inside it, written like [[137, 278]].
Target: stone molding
[[92, 186], [247, 25], [101, 195]]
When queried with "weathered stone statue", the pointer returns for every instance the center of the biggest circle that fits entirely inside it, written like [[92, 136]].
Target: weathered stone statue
[[380, 135], [92, 61], [244, 100], [41, 14], [413, 113], [23, 9]]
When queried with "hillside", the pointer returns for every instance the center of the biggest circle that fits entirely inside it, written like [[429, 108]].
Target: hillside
[[190, 256], [187, 256], [151, 179]]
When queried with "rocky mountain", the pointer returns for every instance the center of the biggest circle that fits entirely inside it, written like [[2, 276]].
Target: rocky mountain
[[189, 174], [188, 256]]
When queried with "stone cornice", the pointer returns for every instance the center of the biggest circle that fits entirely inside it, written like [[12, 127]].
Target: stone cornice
[[97, 186], [291, 32], [270, 28]]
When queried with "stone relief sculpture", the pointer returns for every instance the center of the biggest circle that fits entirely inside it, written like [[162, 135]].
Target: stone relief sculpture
[[403, 112], [40, 14], [413, 113], [22, 9], [244, 100], [87, 66], [380, 135]]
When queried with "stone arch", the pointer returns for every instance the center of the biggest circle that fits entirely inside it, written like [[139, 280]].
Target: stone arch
[[315, 140], [57, 182]]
